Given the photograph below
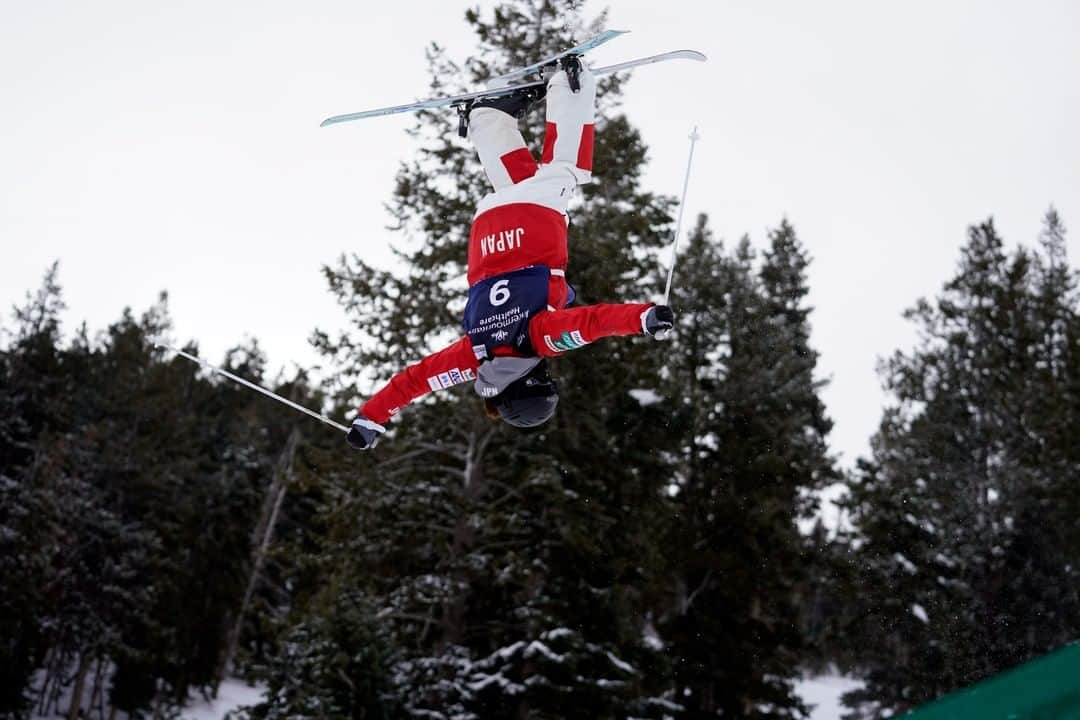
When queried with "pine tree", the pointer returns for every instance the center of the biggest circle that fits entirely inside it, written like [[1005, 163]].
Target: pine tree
[[27, 384], [130, 487], [965, 512], [754, 430]]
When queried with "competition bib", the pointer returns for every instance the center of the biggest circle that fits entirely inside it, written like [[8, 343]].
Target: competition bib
[[499, 310]]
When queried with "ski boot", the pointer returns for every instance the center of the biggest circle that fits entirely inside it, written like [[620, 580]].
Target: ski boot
[[515, 104], [572, 65]]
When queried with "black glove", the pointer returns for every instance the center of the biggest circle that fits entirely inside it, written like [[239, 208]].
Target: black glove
[[364, 434], [658, 321]]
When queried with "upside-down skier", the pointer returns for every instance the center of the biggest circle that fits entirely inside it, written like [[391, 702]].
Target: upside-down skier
[[517, 313]]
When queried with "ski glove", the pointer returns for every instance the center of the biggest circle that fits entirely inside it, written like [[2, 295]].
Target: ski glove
[[658, 321], [364, 434]]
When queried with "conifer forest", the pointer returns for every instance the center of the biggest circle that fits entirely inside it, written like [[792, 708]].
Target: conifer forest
[[657, 552]]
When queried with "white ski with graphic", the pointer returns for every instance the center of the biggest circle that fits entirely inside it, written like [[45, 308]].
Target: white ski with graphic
[[509, 90], [581, 49]]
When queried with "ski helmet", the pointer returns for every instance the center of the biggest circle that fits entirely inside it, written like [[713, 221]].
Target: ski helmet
[[530, 400]]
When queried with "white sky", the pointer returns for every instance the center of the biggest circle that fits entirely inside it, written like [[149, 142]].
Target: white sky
[[176, 146]]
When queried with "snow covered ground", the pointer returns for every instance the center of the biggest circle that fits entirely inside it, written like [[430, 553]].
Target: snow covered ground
[[231, 695], [823, 694]]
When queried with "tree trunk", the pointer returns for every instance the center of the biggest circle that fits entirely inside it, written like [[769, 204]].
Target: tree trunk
[[260, 545], [43, 693], [97, 692], [60, 665], [80, 686], [474, 486]]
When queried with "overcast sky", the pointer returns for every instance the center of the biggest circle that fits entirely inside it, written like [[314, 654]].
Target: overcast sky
[[154, 146]]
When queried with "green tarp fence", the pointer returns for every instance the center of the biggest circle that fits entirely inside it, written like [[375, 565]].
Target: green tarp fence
[[1043, 689]]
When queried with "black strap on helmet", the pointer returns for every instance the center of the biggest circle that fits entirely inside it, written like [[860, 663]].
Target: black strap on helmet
[[530, 400]]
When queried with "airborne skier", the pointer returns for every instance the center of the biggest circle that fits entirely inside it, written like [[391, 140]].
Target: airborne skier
[[517, 313]]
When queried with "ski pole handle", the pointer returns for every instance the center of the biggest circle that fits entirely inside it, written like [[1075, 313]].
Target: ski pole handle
[[254, 387]]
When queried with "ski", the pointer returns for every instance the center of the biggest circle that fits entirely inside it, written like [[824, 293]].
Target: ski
[[455, 100], [590, 44]]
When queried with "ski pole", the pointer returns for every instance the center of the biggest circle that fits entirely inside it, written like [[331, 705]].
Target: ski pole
[[678, 224], [255, 387]]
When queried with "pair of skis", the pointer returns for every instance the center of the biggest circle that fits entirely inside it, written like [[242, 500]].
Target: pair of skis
[[522, 74]]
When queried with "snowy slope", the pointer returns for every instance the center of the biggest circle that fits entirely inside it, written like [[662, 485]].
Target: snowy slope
[[231, 695], [823, 694]]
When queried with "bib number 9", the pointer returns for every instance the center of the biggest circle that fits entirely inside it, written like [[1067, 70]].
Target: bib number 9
[[500, 293]]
